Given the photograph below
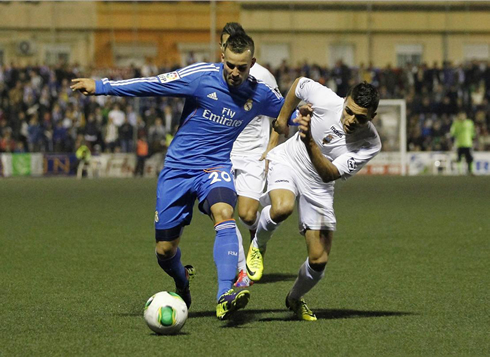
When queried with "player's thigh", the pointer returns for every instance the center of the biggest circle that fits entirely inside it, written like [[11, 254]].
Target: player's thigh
[[315, 209], [249, 177], [282, 202], [281, 189], [319, 244], [216, 193], [247, 208], [174, 204]]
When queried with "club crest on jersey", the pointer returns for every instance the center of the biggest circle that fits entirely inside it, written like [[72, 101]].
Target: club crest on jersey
[[336, 132], [327, 139], [248, 105], [168, 77], [351, 164]]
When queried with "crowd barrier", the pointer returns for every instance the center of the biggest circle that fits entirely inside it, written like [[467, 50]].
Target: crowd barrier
[[123, 165], [426, 163], [103, 165]]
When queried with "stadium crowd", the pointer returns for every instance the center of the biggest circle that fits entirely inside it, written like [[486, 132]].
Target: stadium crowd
[[39, 112]]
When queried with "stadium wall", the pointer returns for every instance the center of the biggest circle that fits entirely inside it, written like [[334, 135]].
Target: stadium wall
[[92, 31], [309, 29]]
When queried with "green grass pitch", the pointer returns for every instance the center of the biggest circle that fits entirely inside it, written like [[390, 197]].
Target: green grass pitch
[[409, 274]]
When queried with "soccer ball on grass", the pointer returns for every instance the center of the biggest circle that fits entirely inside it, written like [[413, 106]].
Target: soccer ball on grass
[[165, 313]]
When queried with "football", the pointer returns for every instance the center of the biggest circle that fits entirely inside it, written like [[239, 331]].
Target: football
[[165, 313]]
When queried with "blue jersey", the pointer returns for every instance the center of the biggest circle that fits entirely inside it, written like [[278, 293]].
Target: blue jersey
[[214, 114]]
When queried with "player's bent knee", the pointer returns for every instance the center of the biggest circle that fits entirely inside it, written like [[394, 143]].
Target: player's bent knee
[[166, 249], [318, 260], [248, 216], [167, 241], [281, 210], [221, 212]]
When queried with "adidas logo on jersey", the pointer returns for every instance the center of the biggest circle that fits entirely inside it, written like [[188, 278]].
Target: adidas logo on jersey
[[213, 96]]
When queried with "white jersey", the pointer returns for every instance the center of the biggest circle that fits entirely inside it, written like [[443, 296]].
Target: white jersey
[[349, 153], [253, 140]]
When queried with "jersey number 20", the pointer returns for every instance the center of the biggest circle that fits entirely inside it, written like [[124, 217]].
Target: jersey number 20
[[215, 176]]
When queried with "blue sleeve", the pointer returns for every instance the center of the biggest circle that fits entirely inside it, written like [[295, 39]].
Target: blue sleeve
[[293, 116], [273, 103], [172, 84]]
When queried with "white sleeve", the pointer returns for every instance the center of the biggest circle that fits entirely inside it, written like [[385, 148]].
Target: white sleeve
[[313, 92], [351, 162]]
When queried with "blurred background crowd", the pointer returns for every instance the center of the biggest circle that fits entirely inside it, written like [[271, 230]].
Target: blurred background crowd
[[39, 112]]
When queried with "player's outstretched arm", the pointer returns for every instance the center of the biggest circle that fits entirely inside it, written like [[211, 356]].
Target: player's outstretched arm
[[280, 125], [84, 85], [326, 170]]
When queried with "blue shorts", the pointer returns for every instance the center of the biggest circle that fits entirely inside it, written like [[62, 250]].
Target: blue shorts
[[177, 190]]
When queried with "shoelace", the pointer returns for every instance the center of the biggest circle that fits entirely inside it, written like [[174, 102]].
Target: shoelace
[[305, 308], [255, 259]]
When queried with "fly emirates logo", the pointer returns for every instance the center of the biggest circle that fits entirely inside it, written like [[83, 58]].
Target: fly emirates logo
[[226, 117]]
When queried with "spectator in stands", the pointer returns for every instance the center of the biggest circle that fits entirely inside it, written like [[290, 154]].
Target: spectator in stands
[[157, 136], [434, 95], [125, 133], [142, 151], [111, 136], [131, 115], [7, 143], [91, 132], [35, 135], [60, 137], [117, 115]]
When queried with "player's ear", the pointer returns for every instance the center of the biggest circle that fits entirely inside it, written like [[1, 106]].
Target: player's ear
[[222, 57], [253, 62]]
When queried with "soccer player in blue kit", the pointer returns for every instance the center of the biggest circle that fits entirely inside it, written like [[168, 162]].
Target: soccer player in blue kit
[[221, 99]]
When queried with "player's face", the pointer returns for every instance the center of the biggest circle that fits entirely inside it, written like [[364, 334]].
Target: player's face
[[355, 116], [236, 66]]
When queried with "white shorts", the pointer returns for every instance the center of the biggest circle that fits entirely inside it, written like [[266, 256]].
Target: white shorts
[[249, 175], [314, 200]]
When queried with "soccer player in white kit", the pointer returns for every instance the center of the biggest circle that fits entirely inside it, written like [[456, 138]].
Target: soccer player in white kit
[[248, 158], [335, 140]]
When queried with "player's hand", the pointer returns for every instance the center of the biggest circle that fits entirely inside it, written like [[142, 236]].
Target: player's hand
[[306, 109], [84, 85], [304, 127], [262, 158]]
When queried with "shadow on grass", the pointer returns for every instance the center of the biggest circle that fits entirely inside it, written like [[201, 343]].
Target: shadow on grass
[[275, 277], [333, 314], [180, 333], [243, 317]]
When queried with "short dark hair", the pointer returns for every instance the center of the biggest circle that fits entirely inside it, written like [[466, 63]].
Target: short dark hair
[[365, 95], [239, 43], [231, 28]]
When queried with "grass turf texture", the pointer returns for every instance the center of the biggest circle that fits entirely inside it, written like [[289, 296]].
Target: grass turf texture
[[408, 274]]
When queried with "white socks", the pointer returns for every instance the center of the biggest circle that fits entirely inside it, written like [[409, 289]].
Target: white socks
[[241, 253], [306, 280], [265, 228]]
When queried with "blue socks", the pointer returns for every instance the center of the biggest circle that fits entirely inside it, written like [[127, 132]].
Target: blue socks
[[173, 267], [225, 254]]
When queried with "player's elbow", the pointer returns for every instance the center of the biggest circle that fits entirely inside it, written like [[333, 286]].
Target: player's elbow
[[330, 175]]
